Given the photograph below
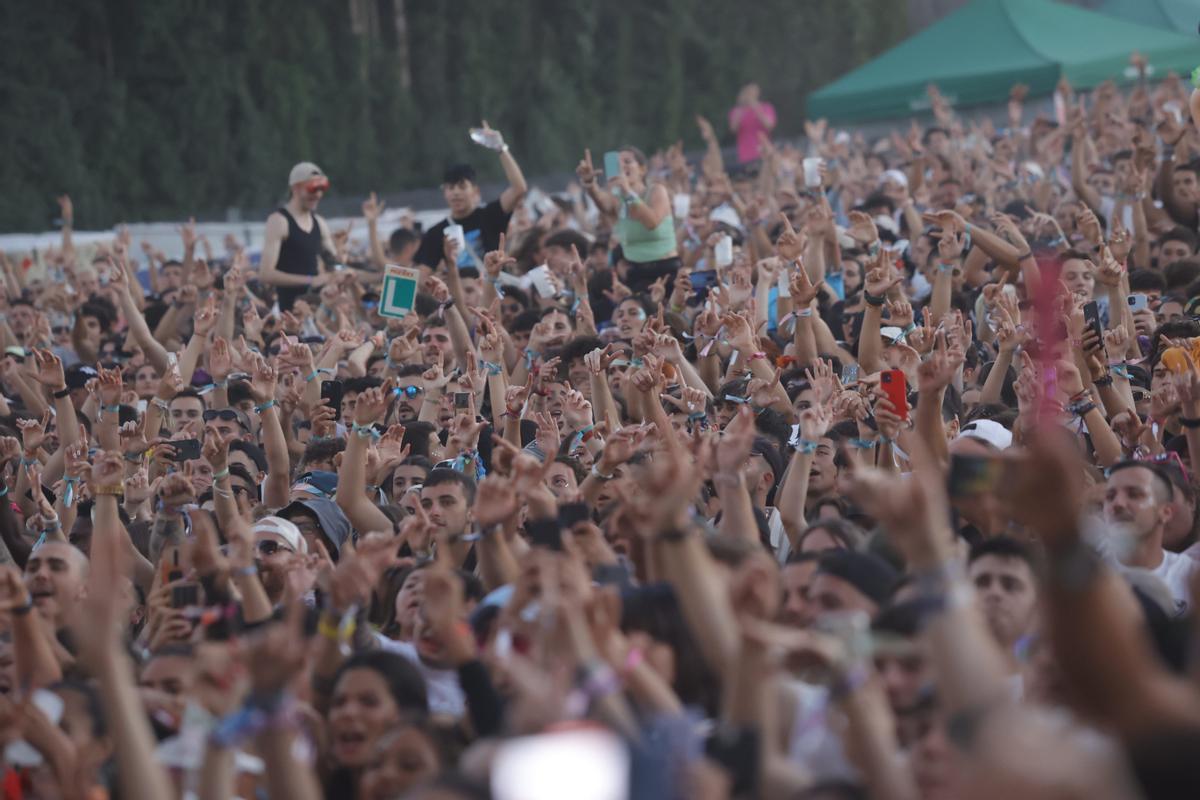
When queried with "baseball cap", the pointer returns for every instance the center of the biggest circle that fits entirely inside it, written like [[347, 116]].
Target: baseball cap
[[305, 171], [989, 431], [78, 375], [285, 529], [762, 447], [873, 577]]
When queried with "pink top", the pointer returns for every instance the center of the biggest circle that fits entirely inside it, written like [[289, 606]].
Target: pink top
[[748, 125]]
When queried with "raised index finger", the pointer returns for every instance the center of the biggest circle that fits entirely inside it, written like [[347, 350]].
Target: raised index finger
[[787, 223], [587, 157]]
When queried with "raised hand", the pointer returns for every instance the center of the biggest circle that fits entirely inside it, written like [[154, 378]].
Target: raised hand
[[372, 208], [733, 448], [216, 450], [48, 370], [820, 376], [220, 361], [205, 318], [862, 228], [790, 244], [585, 171], [33, 432]]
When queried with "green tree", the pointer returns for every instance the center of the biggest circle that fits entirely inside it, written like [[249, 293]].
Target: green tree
[[151, 110]]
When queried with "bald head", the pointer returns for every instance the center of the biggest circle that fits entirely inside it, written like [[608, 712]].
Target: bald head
[[55, 575]]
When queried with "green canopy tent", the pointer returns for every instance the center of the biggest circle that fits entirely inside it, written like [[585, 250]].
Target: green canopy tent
[[976, 54], [1176, 15]]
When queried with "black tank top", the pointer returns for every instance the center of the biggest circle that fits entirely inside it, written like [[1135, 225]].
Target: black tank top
[[299, 254]]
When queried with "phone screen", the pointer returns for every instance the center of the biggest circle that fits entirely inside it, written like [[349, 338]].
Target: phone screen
[[612, 164]]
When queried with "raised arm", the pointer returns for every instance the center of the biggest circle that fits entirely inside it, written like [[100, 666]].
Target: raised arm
[[99, 628], [351, 495], [372, 208], [604, 200], [1182, 210]]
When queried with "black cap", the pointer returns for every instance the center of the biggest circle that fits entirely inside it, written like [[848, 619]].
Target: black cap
[[873, 577], [78, 375], [456, 173]]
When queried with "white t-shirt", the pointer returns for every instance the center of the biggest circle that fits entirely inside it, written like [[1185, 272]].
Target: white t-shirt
[[812, 743], [1176, 571], [445, 694]]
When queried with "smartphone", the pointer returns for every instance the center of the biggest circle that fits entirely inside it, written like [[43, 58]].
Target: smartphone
[[185, 449], [1137, 302], [895, 388], [1091, 315], [812, 172], [185, 596], [1175, 360], [545, 533], [723, 252], [583, 761], [973, 475], [849, 374], [703, 281], [331, 395], [172, 572], [462, 400], [612, 164]]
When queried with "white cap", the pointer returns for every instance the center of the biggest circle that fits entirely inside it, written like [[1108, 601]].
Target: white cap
[[987, 430], [724, 213], [285, 529], [891, 332], [304, 172], [895, 176]]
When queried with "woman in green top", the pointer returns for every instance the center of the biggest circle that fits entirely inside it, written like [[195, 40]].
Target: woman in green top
[[645, 226]]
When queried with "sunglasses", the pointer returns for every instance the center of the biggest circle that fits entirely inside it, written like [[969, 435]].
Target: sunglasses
[[269, 547], [408, 391], [223, 414], [317, 185]]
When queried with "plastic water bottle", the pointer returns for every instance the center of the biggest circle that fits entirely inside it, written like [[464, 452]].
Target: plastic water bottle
[[488, 138]]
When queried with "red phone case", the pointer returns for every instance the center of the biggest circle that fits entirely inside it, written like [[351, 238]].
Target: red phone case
[[896, 388]]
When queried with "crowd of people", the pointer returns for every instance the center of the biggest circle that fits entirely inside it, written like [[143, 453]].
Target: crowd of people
[[855, 469]]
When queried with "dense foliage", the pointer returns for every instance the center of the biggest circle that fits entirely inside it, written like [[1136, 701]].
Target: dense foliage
[[153, 110]]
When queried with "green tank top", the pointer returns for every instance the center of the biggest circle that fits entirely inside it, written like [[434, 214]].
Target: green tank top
[[639, 243]]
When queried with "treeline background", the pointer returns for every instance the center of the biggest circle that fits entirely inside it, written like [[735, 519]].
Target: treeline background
[[154, 110]]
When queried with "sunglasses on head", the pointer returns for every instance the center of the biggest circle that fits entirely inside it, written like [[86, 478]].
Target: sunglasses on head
[[408, 391], [269, 547]]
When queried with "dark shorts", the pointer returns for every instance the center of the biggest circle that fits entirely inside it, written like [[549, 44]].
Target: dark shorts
[[642, 274]]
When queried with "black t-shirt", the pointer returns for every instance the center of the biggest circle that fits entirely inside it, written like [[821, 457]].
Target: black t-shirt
[[481, 230]]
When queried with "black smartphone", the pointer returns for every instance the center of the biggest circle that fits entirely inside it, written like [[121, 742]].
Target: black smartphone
[[172, 571], [331, 395], [545, 533], [185, 596], [1091, 315], [462, 399], [185, 449], [703, 281]]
